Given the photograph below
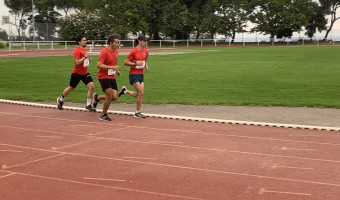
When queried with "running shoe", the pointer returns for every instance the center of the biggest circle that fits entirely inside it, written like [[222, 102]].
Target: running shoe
[[139, 115], [122, 91], [60, 104], [95, 100], [90, 108], [104, 118]]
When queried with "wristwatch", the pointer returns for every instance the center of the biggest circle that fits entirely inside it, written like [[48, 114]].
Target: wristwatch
[[135, 64]]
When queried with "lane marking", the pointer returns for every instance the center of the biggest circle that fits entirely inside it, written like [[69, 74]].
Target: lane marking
[[182, 167], [140, 158], [47, 136], [7, 175], [298, 135], [82, 126], [33, 161], [103, 179], [11, 151], [113, 130], [286, 148], [278, 166], [4, 55], [165, 142], [72, 145], [264, 190], [105, 186]]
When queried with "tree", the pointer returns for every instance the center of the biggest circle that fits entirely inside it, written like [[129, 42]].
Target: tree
[[121, 16], [331, 7], [88, 23], [317, 21], [3, 35], [21, 9], [194, 18], [281, 17], [68, 5], [45, 19], [233, 17]]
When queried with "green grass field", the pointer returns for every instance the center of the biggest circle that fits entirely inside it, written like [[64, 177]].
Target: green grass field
[[256, 76]]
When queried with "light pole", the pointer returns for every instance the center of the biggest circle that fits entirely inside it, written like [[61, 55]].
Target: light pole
[[33, 22]]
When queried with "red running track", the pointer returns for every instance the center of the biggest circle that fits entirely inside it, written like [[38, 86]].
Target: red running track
[[50, 154]]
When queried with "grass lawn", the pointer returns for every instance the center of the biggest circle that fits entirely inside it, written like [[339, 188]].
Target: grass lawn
[[266, 76]]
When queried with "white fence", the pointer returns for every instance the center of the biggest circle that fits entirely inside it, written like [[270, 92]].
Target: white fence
[[53, 45]]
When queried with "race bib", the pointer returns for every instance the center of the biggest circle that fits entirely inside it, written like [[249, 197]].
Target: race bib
[[141, 66], [111, 72], [86, 62]]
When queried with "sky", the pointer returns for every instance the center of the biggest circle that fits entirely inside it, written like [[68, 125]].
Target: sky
[[4, 11]]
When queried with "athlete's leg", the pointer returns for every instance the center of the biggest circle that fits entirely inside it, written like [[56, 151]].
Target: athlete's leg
[[139, 87], [108, 98]]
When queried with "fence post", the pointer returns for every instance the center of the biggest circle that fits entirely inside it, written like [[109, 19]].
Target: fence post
[[24, 45], [9, 46], [66, 44], [52, 44], [201, 43], [160, 43], [187, 43], [38, 45]]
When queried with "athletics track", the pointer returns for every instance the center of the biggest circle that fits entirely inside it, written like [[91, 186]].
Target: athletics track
[[46, 153]]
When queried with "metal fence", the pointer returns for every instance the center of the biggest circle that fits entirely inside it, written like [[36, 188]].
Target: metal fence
[[99, 44]]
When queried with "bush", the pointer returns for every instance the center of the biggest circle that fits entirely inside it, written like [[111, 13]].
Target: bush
[[2, 45]]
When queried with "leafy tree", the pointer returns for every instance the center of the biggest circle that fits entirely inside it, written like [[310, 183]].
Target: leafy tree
[[317, 21], [194, 18], [68, 5], [331, 7], [45, 18], [121, 16], [3, 35], [21, 9], [88, 23], [233, 17], [281, 17]]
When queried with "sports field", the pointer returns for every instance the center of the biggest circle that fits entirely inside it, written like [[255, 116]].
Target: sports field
[[266, 76]]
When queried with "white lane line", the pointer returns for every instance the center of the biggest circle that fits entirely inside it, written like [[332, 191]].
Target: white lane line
[[164, 142], [11, 151], [48, 136], [103, 179], [139, 158], [264, 190]]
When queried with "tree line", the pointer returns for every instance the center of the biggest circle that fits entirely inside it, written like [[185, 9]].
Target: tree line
[[174, 19]]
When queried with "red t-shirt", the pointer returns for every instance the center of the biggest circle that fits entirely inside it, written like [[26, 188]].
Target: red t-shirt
[[107, 57], [78, 54], [137, 55]]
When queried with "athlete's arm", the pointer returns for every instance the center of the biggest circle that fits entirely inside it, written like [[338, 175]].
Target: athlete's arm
[[101, 65]]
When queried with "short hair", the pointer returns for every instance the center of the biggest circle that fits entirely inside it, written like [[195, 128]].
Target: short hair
[[79, 37], [111, 39], [140, 37]]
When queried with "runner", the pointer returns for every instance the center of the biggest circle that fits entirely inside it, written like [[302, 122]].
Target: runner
[[80, 72], [137, 60], [107, 68]]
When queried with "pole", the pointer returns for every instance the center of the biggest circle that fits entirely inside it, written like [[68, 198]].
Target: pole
[[33, 22]]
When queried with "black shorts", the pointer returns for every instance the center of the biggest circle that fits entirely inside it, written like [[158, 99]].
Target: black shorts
[[134, 78], [75, 79], [108, 83]]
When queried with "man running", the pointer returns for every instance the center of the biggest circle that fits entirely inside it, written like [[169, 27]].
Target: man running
[[137, 60], [80, 73], [107, 68]]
